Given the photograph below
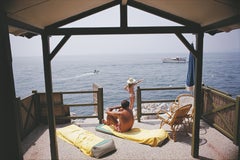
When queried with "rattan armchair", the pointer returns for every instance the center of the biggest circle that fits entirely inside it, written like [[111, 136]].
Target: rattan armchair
[[175, 119], [182, 100]]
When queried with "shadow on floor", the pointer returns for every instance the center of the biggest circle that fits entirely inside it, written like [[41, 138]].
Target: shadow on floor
[[30, 140]]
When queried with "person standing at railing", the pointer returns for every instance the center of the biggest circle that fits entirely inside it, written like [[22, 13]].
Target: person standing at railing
[[130, 87]]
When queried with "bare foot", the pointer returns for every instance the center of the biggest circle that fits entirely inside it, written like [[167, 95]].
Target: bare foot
[[104, 122]]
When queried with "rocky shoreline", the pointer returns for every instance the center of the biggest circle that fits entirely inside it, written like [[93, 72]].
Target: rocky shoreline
[[152, 108]]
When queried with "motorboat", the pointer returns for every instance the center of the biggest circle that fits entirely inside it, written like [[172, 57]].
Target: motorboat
[[175, 60]]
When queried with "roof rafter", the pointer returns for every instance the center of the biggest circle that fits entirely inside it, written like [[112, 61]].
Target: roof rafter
[[84, 14], [187, 44], [161, 13], [59, 46], [24, 26], [211, 29]]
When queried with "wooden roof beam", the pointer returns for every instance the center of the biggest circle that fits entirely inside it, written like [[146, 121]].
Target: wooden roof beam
[[162, 14], [24, 26], [123, 16], [59, 46], [187, 44], [84, 14], [118, 30], [212, 29]]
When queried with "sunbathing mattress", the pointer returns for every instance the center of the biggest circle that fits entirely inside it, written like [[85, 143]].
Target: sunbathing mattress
[[87, 142], [153, 137]]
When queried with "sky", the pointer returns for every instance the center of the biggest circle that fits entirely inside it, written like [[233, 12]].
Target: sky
[[124, 44]]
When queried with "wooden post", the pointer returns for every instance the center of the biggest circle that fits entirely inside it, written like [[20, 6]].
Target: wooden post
[[139, 108], [123, 16], [10, 134], [237, 125], [100, 104], [237, 122], [49, 91], [37, 105], [95, 98], [197, 95], [20, 121]]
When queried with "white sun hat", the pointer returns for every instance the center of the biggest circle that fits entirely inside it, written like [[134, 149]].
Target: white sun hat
[[131, 80]]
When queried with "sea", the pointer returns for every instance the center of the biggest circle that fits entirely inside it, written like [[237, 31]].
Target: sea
[[111, 71]]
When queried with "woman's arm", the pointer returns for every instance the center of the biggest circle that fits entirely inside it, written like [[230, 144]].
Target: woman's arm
[[126, 87], [139, 81]]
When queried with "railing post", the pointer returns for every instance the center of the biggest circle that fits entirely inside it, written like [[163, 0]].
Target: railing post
[[20, 122], [36, 105], [100, 104], [139, 100], [95, 97], [237, 122]]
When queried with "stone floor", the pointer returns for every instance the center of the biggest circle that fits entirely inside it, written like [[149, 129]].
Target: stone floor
[[213, 145]]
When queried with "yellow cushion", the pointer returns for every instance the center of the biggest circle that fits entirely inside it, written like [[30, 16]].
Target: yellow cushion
[[150, 137], [80, 138]]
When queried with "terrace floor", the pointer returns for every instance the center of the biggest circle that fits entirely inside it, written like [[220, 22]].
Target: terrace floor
[[213, 145]]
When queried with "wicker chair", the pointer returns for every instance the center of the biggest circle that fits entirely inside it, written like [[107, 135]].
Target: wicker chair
[[175, 119], [182, 100]]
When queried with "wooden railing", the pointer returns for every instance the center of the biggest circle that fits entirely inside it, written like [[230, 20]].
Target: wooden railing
[[62, 106], [28, 118], [32, 110], [219, 109], [222, 111], [140, 100], [97, 104]]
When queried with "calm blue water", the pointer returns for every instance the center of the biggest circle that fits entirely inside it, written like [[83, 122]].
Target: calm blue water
[[75, 73]]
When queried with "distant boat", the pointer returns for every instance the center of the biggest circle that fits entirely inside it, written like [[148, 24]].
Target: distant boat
[[96, 71], [175, 60]]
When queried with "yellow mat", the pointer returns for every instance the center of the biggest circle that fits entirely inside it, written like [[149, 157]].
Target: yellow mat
[[153, 137], [86, 141]]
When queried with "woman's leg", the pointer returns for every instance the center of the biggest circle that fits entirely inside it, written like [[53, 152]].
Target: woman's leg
[[132, 100]]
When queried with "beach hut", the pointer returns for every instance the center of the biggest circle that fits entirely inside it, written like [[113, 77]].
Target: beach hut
[[39, 17]]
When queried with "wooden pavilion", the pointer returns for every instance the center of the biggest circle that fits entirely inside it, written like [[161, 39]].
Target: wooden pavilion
[[45, 18]]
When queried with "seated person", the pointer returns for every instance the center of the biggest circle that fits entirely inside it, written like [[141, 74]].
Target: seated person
[[122, 120]]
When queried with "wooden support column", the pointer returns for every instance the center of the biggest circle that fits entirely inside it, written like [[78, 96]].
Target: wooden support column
[[237, 125], [100, 105], [237, 122], [49, 91], [10, 134], [139, 103], [123, 16], [197, 94]]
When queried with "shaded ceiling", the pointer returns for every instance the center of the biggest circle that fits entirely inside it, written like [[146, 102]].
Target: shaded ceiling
[[31, 17]]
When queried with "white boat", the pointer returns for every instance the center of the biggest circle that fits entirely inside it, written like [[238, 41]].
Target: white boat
[[175, 60]]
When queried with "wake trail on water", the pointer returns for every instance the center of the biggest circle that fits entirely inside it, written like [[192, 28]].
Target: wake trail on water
[[77, 76]]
